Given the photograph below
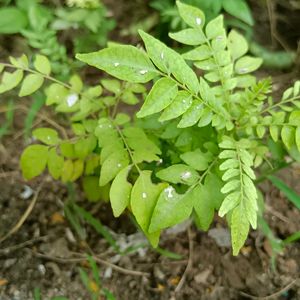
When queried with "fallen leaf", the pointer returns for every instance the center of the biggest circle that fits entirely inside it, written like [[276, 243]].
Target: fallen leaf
[[3, 282], [175, 280], [57, 218]]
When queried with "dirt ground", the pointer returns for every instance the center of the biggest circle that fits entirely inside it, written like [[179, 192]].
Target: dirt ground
[[45, 252]]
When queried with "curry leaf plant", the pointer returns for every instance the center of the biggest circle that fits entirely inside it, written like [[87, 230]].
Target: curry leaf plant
[[191, 149]]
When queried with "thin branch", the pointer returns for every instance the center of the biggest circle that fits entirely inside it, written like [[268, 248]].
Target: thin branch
[[189, 264], [273, 296], [12, 248], [97, 259], [24, 216]]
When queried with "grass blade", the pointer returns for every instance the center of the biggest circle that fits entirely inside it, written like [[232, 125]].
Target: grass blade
[[287, 191], [97, 226], [9, 116]]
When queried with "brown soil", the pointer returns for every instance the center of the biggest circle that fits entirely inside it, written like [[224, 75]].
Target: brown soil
[[41, 253]]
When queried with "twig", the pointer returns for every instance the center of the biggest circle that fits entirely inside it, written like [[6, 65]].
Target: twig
[[277, 214], [9, 249], [97, 259], [273, 296], [24, 216], [189, 264], [274, 32]]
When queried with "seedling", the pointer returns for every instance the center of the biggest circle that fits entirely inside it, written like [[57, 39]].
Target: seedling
[[193, 147]]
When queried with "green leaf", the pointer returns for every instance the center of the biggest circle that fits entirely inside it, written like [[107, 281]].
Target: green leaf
[[12, 20], [230, 202], [237, 45], [78, 168], [55, 163], [196, 159], [239, 9], [20, 62], [200, 53], [287, 191], [10, 80], [114, 163], [31, 84], [192, 115], [179, 174], [42, 64], [34, 160], [247, 64], [239, 229], [48, 136], [161, 95], [123, 62], [189, 36], [288, 136], [67, 150], [204, 207], [112, 85], [144, 197], [294, 118], [169, 61], [171, 209], [91, 188], [274, 131], [179, 106], [297, 138], [67, 171], [191, 15], [120, 192], [215, 27]]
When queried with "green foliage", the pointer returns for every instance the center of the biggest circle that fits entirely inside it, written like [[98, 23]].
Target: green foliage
[[12, 20], [238, 16], [41, 26], [193, 146]]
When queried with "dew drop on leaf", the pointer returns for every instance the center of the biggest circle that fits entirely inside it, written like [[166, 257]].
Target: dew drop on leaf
[[116, 64], [162, 55], [119, 165], [169, 190], [186, 175], [72, 99], [144, 195], [143, 72], [243, 70], [198, 21]]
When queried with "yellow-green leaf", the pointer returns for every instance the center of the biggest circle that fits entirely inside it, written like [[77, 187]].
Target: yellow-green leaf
[[31, 84], [120, 192], [34, 160], [42, 64]]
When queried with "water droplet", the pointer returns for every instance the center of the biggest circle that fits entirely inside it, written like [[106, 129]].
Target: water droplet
[[116, 64], [219, 38], [144, 195], [143, 72], [119, 165], [198, 21], [48, 138], [243, 70], [109, 126], [183, 101], [100, 126], [72, 99], [162, 55], [169, 190], [199, 107], [186, 175]]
